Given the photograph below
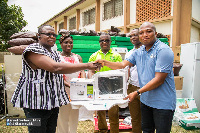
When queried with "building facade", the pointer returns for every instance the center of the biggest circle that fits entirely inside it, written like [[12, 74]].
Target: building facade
[[179, 20]]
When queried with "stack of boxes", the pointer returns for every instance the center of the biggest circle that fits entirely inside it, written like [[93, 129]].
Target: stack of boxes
[[186, 114], [178, 79], [178, 85]]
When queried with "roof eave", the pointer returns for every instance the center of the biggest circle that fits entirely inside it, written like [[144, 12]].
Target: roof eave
[[64, 11]]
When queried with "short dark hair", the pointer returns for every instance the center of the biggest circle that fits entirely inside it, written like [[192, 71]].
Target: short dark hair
[[105, 34], [41, 28]]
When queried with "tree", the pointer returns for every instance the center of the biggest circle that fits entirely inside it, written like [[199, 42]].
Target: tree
[[11, 21]]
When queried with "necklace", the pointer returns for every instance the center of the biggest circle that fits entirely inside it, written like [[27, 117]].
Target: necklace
[[67, 54]]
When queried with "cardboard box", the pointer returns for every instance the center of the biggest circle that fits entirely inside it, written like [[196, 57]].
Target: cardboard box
[[189, 121], [186, 105], [178, 82], [12, 75], [186, 113], [121, 51], [81, 89]]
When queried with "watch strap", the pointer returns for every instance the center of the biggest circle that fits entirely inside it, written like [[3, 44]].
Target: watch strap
[[138, 93]]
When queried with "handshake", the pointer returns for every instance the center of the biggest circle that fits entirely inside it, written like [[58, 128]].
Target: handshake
[[98, 64]]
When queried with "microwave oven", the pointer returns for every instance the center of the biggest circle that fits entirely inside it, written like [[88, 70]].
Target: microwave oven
[[111, 84]]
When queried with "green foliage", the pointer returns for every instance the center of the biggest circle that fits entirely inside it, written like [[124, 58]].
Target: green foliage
[[4, 47], [11, 21]]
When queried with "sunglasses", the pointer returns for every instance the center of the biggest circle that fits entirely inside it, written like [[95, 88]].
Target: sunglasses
[[107, 41], [49, 34]]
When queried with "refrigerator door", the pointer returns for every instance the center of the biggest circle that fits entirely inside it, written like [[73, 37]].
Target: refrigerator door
[[196, 89], [187, 59], [190, 71], [197, 51]]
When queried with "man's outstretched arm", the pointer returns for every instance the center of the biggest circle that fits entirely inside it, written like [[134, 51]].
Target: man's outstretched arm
[[114, 65]]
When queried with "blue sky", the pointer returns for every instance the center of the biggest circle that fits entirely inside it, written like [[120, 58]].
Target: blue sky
[[37, 12]]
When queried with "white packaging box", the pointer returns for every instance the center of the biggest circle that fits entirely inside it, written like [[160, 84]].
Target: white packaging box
[[121, 51], [81, 89]]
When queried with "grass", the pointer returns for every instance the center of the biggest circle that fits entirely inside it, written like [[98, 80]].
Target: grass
[[83, 127], [12, 129], [179, 129]]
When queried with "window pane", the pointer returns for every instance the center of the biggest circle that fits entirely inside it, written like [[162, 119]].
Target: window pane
[[118, 4], [108, 10], [61, 25], [113, 8], [92, 16], [72, 23], [89, 17]]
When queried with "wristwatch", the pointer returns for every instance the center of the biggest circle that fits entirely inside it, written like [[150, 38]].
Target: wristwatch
[[138, 93]]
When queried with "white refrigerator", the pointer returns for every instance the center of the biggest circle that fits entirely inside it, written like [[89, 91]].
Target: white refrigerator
[[190, 71]]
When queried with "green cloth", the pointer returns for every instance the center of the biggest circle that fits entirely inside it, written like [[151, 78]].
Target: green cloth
[[109, 56]]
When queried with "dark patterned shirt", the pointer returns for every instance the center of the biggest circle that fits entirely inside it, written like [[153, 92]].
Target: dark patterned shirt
[[39, 89]]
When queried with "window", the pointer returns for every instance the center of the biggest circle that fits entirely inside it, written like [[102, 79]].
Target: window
[[113, 8], [89, 17], [61, 25], [72, 23]]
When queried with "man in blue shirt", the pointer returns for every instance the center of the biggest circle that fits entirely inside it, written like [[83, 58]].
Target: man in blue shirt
[[154, 61]]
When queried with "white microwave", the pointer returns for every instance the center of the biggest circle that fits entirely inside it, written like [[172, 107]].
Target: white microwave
[[111, 84]]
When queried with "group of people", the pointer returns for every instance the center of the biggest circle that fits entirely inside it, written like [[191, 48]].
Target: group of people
[[44, 85]]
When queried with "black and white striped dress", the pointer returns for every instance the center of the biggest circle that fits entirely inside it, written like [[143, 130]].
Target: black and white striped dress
[[39, 89]]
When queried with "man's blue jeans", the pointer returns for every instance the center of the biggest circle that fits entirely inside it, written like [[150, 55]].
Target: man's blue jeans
[[158, 119], [48, 120]]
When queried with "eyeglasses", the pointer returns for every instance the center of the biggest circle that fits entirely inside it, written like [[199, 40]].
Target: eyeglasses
[[49, 34], [107, 41]]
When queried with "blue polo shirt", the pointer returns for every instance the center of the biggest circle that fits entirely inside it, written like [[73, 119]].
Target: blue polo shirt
[[158, 59]]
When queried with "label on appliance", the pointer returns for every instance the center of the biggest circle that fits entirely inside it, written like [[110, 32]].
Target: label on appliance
[[90, 91]]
